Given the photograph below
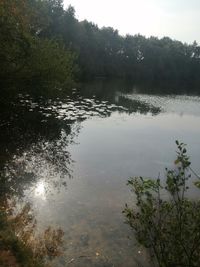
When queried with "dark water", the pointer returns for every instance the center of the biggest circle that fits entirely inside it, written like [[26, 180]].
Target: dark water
[[71, 156]]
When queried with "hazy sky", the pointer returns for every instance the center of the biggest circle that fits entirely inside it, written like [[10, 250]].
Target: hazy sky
[[178, 19]]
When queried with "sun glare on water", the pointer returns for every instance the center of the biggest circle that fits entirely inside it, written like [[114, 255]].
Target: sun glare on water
[[40, 190]]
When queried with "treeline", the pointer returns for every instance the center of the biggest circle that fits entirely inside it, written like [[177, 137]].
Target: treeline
[[39, 38]]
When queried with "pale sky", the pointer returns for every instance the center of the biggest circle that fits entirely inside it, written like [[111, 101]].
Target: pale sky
[[178, 19]]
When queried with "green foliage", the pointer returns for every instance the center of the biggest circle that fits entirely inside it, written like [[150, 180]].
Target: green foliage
[[50, 61], [24, 54], [166, 221]]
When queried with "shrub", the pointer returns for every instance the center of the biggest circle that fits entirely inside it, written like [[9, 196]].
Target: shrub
[[168, 226]]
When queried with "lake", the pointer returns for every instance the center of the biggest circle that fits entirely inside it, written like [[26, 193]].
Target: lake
[[71, 156]]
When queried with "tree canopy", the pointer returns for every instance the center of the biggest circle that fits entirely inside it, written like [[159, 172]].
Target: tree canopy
[[39, 39], [25, 54]]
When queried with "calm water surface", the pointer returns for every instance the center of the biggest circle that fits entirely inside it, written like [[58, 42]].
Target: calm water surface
[[71, 157]]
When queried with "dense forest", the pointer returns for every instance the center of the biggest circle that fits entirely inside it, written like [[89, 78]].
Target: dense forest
[[40, 40]]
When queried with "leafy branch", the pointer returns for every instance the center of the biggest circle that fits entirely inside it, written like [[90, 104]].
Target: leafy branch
[[168, 227]]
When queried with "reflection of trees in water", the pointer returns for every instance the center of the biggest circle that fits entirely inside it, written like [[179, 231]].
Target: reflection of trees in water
[[21, 128], [47, 161], [134, 105], [32, 145], [36, 131], [103, 88], [115, 93]]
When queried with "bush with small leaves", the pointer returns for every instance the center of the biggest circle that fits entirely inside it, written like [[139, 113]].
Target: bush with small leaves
[[169, 227]]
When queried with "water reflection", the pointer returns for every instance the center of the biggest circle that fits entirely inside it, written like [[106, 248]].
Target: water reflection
[[36, 131], [178, 104], [100, 135], [47, 161]]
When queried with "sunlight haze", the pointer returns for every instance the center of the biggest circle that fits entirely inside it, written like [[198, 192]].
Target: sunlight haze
[[178, 19]]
